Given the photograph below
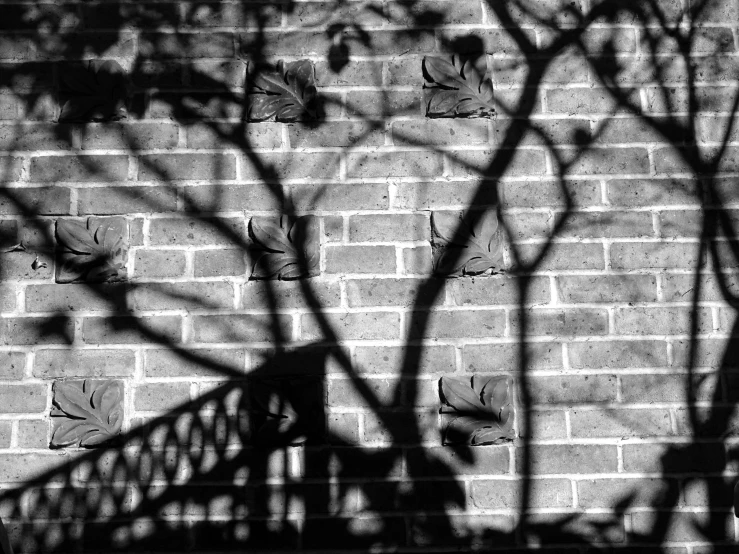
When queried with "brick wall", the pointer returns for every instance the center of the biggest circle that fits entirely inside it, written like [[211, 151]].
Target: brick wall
[[612, 164]]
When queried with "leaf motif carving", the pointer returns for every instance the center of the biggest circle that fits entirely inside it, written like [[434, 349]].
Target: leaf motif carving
[[457, 87], [287, 410], [286, 248], [86, 413], [476, 410], [94, 252], [287, 94], [466, 245], [93, 91]]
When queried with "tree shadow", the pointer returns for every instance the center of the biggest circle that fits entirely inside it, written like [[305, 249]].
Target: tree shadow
[[199, 478]]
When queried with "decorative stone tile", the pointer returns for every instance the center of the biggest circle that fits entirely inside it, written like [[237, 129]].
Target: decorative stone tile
[[285, 248], [476, 410], [94, 90], [287, 93], [95, 252], [457, 87], [287, 410], [86, 413], [466, 245]]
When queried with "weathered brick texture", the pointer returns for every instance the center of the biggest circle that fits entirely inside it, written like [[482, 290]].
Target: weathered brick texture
[[611, 162]]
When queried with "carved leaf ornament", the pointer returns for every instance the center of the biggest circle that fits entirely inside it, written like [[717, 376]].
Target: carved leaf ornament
[[456, 87], [94, 91], [287, 248], [288, 93], [86, 413], [461, 249], [476, 410], [94, 252]]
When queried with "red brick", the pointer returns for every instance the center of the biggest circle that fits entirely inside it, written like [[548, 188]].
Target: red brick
[[182, 296], [475, 163], [573, 458], [401, 427], [282, 295], [197, 231], [219, 263], [606, 288], [662, 321], [181, 45], [389, 228], [500, 494], [394, 164], [35, 136], [607, 225], [15, 266], [292, 165], [310, 43], [217, 75], [417, 261], [579, 389], [353, 73], [126, 200], [74, 297], [239, 328], [79, 168], [23, 399], [370, 103], [651, 192], [607, 161], [506, 356], [431, 132], [669, 458], [345, 393], [339, 133], [567, 67], [161, 397], [540, 132], [33, 433], [561, 256], [654, 255], [436, 461], [12, 365], [643, 493], [459, 324], [36, 330], [22, 468], [194, 167], [128, 136], [620, 423], [460, 195], [392, 359], [549, 424], [681, 287], [559, 12], [224, 135], [360, 259], [527, 226], [198, 362], [706, 526], [54, 364], [388, 292], [160, 264], [618, 354], [579, 101], [124, 329], [339, 197], [352, 326], [660, 387], [7, 298], [496, 290], [559, 322], [36, 200], [710, 353]]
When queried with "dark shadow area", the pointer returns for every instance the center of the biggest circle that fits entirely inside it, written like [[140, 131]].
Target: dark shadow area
[[254, 462]]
